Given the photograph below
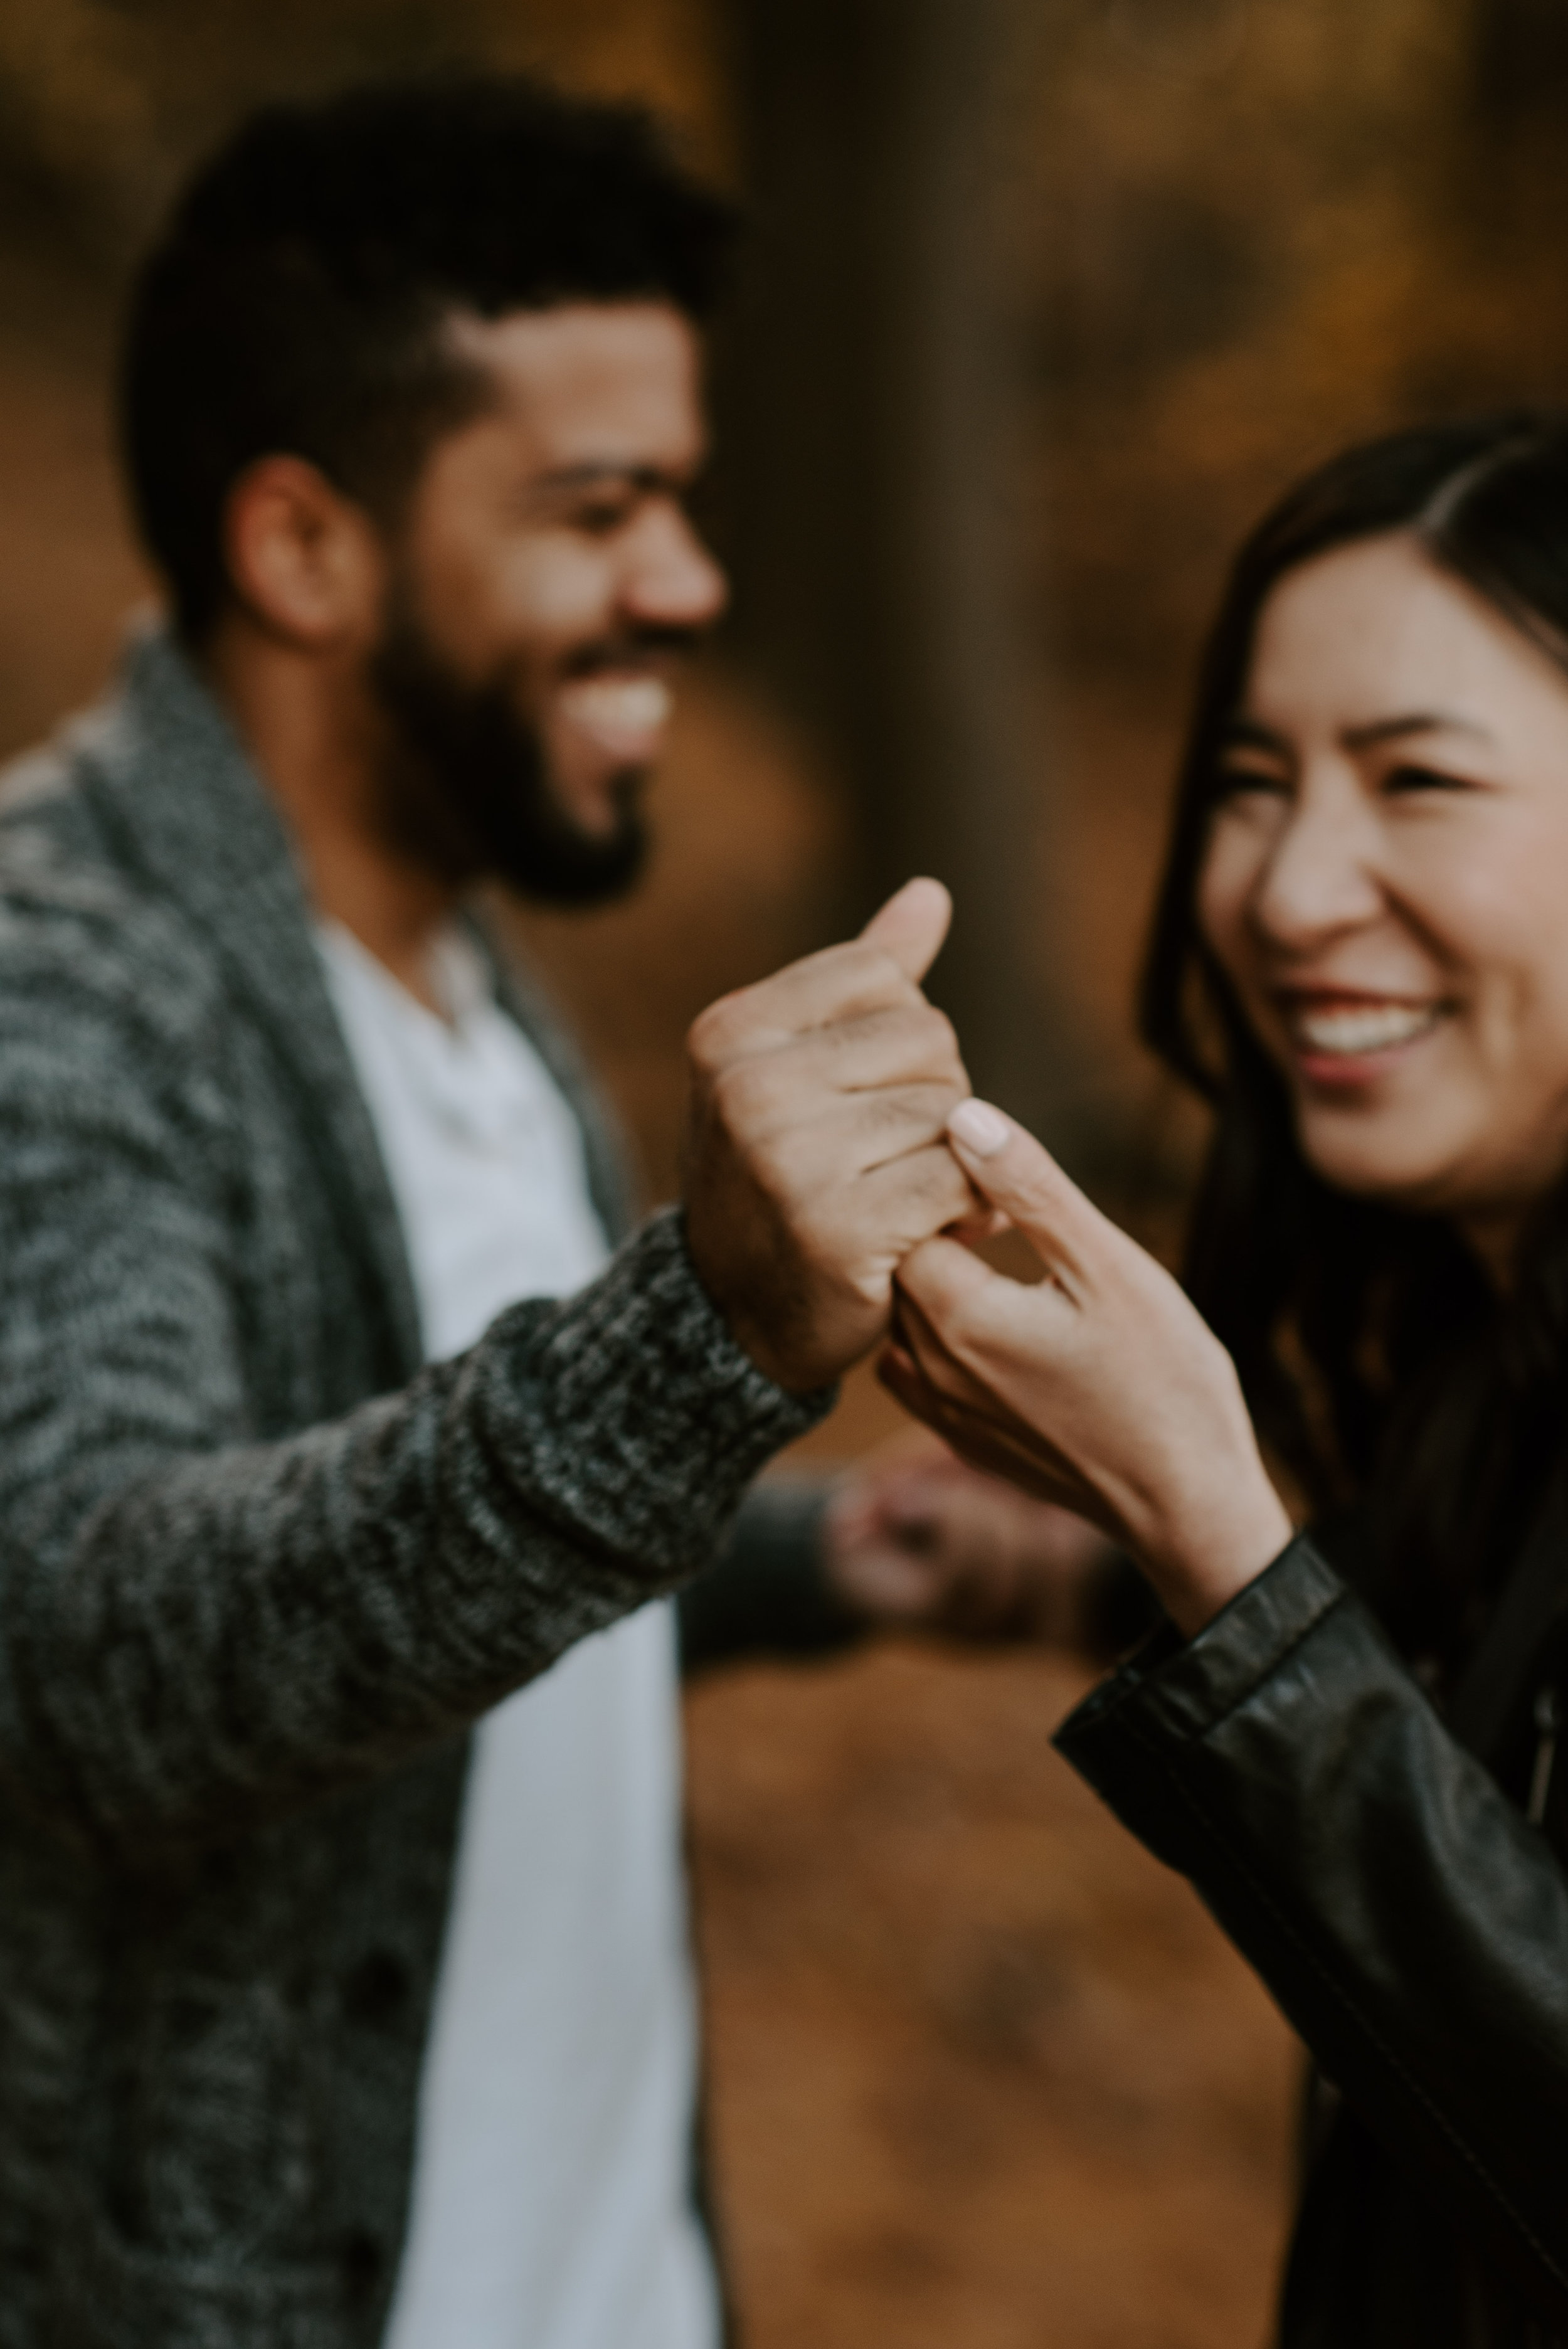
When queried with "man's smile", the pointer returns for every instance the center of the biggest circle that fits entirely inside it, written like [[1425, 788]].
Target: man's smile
[[623, 713]]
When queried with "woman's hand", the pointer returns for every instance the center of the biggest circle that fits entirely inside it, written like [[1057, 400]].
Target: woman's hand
[[1101, 1389]]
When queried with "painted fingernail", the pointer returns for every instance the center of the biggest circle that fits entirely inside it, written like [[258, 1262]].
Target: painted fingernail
[[981, 1129]]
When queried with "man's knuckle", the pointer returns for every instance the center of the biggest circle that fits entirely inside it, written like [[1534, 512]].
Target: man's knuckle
[[882, 972], [818, 1235], [710, 1037], [841, 973], [941, 1186], [743, 1092], [792, 1164], [940, 1034], [921, 1105]]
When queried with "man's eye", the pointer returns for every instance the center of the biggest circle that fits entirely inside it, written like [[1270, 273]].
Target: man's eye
[[599, 517]]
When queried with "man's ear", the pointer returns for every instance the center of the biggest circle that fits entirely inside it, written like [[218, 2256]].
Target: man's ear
[[303, 560]]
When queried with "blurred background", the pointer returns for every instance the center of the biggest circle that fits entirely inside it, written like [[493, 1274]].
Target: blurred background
[[1045, 298]]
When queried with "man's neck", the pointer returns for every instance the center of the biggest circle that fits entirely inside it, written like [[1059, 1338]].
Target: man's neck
[[314, 739]]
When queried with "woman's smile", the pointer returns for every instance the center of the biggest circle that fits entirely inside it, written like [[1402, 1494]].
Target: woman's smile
[[1351, 1037], [1385, 880]]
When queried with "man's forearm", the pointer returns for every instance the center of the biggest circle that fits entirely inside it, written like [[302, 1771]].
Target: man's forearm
[[234, 1632]]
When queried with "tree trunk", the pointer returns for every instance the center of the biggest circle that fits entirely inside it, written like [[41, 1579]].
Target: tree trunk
[[872, 410]]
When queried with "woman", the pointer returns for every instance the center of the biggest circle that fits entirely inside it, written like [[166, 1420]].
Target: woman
[[1346, 1739]]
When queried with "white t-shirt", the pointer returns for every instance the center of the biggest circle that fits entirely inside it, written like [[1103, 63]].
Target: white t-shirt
[[551, 2182]]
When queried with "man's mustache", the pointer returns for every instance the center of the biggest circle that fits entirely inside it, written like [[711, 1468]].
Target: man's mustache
[[630, 647]]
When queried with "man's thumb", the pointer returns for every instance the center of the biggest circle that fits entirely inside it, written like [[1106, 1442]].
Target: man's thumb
[[912, 926]]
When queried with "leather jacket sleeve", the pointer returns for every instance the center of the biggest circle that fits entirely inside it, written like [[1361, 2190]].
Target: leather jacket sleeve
[[1411, 1922]]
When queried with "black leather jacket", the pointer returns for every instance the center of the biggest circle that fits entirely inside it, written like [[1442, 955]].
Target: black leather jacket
[[1375, 1864]]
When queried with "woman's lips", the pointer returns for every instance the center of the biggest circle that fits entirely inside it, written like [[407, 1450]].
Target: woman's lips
[[1352, 1041]]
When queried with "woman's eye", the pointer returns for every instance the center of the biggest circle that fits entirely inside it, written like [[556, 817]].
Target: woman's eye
[[1236, 782], [1402, 780]]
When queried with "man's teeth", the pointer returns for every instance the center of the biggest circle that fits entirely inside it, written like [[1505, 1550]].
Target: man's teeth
[[620, 704], [1363, 1028]]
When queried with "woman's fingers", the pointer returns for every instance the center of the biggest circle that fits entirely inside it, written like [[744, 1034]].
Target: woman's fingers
[[944, 1280], [920, 1353], [980, 1439], [957, 1306], [952, 1313], [1008, 1167], [931, 1360]]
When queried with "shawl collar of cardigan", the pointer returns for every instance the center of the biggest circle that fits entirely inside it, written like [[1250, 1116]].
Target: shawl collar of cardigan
[[174, 787]]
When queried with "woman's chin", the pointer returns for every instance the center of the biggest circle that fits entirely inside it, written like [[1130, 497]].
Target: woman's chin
[[1392, 1170]]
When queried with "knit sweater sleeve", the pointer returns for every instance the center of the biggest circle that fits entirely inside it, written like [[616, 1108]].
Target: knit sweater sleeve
[[199, 1628]]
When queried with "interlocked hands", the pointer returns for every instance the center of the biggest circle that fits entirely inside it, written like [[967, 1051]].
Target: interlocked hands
[[835, 1162]]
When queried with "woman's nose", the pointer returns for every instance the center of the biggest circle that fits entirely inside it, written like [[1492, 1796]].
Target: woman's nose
[[1321, 874]]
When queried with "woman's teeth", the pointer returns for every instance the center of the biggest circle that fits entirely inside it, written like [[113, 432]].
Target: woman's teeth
[[1362, 1028]]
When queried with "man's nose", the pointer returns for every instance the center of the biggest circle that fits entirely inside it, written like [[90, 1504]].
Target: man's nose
[[1321, 876], [674, 581]]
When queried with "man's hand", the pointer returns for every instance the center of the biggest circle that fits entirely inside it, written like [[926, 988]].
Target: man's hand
[[915, 1540], [815, 1155]]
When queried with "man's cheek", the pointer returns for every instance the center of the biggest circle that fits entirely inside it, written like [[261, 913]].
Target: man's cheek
[[553, 593]]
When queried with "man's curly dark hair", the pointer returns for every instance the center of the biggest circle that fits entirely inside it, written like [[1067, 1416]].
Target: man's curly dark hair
[[296, 298]]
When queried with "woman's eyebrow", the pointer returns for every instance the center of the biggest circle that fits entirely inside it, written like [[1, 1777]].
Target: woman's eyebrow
[[1418, 722], [1251, 734]]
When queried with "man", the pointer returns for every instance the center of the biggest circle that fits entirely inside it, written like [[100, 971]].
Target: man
[[326, 2016]]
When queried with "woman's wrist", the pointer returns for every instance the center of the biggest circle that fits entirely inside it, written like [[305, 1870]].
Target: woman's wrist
[[1221, 1548]]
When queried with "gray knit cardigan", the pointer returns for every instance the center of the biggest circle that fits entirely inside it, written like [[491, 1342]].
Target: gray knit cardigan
[[259, 1570]]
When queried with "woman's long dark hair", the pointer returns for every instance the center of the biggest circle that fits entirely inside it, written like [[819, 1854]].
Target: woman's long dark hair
[[1375, 1355]]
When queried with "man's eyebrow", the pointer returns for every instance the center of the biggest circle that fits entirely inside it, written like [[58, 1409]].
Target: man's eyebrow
[[598, 472]]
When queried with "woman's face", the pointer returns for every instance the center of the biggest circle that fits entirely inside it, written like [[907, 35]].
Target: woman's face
[[1386, 884]]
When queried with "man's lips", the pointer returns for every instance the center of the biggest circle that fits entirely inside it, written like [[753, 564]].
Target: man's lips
[[623, 713], [1343, 1035]]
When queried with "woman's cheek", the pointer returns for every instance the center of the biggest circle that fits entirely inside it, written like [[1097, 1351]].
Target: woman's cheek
[[1226, 881]]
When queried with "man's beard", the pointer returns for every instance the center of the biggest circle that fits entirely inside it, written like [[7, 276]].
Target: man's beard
[[468, 791]]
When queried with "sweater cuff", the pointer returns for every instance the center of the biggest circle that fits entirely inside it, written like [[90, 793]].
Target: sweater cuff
[[658, 1419]]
